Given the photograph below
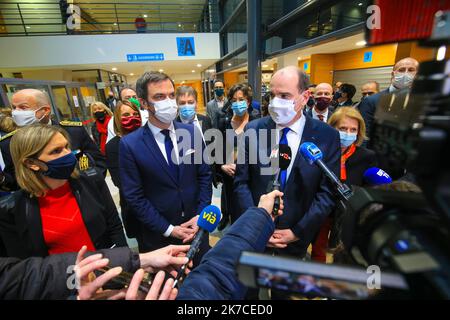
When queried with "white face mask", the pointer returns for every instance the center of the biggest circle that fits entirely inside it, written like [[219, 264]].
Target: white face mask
[[403, 80], [166, 110], [25, 117], [282, 111]]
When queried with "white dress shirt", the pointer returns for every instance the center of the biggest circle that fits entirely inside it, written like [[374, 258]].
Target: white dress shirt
[[294, 138], [160, 138], [112, 133], [315, 115], [197, 124]]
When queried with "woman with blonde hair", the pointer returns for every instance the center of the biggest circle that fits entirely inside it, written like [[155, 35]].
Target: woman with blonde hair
[[127, 119], [102, 115], [57, 209], [355, 160]]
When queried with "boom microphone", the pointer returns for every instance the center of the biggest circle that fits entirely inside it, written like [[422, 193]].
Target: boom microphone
[[207, 222], [313, 154]]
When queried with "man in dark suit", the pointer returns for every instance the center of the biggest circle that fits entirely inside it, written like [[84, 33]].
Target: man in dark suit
[[322, 109], [402, 77], [214, 106], [186, 98], [160, 180], [308, 197], [33, 106], [343, 97]]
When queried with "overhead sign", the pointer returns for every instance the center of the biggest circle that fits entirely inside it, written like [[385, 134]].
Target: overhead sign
[[186, 46], [368, 56], [145, 57]]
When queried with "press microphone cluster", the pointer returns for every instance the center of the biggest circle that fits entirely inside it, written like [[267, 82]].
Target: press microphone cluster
[[207, 222], [313, 154], [283, 154]]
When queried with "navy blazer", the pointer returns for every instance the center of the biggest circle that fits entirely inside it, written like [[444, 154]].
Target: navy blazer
[[368, 106], [308, 197], [152, 192]]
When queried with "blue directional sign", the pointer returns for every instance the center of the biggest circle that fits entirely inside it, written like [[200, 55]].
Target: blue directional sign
[[145, 57], [368, 56], [185, 46]]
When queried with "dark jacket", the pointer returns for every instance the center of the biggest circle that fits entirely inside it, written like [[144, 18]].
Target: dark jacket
[[308, 197], [368, 106], [79, 140], [358, 163], [157, 197], [216, 278], [21, 224], [48, 278], [112, 161], [205, 122], [309, 112]]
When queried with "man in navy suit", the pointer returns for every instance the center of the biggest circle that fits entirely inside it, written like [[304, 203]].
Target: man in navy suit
[[402, 77], [308, 197], [160, 180], [322, 109]]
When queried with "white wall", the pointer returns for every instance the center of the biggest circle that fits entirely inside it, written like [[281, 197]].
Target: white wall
[[56, 51]]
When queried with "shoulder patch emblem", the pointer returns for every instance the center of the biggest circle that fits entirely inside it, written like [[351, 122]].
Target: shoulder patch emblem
[[66, 123], [6, 136]]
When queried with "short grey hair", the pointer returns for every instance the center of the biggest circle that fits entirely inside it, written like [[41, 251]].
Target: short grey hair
[[41, 97]]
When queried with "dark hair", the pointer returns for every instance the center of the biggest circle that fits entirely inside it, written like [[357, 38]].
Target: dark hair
[[218, 80], [147, 78], [303, 80], [349, 89], [240, 87], [185, 90]]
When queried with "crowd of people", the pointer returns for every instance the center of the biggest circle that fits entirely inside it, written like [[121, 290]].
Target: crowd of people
[[55, 199]]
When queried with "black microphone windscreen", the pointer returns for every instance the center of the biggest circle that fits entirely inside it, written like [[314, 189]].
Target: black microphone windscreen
[[285, 156]]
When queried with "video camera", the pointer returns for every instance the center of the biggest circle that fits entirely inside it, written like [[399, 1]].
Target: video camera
[[404, 234]]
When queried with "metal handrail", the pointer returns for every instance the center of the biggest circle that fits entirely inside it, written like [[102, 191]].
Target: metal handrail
[[49, 18]]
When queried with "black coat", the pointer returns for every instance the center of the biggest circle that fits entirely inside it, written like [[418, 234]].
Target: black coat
[[112, 161], [79, 140], [21, 224], [46, 278], [358, 163], [205, 122], [368, 106]]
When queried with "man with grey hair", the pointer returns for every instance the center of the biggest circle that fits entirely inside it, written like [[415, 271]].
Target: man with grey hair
[[31, 106], [308, 198]]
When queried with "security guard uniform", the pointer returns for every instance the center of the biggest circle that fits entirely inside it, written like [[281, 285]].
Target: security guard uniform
[[88, 154]]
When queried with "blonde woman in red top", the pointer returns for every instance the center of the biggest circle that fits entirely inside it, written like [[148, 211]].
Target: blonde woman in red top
[[57, 209], [102, 115]]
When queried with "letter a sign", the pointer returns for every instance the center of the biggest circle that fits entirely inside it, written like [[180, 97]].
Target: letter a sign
[[186, 46]]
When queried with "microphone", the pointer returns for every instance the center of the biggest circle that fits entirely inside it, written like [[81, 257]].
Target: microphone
[[284, 154], [375, 176], [207, 222], [313, 154]]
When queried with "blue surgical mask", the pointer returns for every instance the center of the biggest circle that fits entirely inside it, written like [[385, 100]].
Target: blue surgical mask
[[219, 92], [347, 139], [239, 107], [61, 168], [187, 112]]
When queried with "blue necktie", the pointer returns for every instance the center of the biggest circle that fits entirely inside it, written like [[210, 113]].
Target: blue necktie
[[283, 173], [169, 148]]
